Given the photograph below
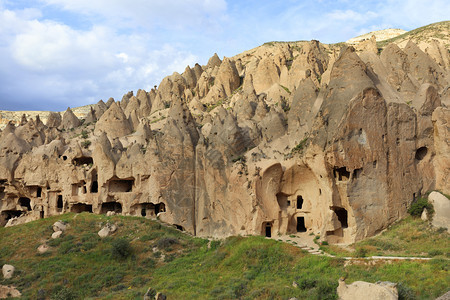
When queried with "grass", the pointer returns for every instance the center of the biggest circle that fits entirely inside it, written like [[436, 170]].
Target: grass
[[80, 265], [408, 237]]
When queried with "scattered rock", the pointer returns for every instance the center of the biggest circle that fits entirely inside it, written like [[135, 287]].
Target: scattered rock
[[294, 284], [110, 213], [59, 226], [43, 248], [150, 294], [366, 290], [7, 292], [107, 230], [8, 271], [56, 234]]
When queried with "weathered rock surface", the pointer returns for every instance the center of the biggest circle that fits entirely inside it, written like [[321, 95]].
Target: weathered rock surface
[[366, 290], [284, 138], [441, 205], [107, 230], [7, 292]]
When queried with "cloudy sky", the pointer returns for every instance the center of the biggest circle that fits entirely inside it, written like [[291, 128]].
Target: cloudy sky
[[60, 53]]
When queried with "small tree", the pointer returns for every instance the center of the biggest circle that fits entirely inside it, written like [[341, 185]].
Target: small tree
[[418, 206]]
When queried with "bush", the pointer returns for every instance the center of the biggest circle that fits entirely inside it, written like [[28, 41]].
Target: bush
[[121, 249], [84, 134], [405, 292], [166, 243], [418, 206]]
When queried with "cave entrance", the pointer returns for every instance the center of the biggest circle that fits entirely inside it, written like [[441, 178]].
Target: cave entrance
[[84, 160], [301, 224], [111, 206], [342, 216], [121, 185], [267, 227], [94, 184], [299, 202], [150, 209], [341, 174], [39, 192], [25, 203], [81, 207], [59, 203], [179, 227]]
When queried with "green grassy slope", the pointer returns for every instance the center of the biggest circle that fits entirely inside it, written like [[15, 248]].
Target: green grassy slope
[[80, 265]]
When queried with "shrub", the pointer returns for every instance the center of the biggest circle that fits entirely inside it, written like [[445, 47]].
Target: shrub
[[121, 249], [418, 206], [84, 134], [166, 243], [405, 292], [361, 252], [86, 144]]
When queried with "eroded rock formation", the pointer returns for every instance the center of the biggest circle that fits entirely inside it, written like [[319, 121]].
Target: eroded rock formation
[[284, 138]]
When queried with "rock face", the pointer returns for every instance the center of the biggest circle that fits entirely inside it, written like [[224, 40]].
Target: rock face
[[284, 138]]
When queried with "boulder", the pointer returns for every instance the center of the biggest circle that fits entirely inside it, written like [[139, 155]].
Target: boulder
[[59, 226], [43, 248], [8, 271], [56, 234], [367, 290], [441, 206], [107, 230], [160, 296]]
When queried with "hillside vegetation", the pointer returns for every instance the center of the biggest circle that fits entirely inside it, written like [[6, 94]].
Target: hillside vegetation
[[144, 253]]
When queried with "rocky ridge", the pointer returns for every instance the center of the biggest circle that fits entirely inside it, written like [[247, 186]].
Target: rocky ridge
[[289, 137]]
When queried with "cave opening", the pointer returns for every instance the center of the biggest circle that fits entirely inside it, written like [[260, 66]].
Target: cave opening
[[94, 183], [111, 206], [81, 207], [84, 160], [179, 227], [25, 203], [59, 203], [268, 229], [342, 215], [121, 185], [421, 153], [341, 174], [301, 224], [299, 202], [39, 192]]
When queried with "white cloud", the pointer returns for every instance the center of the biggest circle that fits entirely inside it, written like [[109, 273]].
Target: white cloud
[[49, 60]]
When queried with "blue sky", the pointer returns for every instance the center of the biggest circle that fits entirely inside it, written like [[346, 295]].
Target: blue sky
[[60, 53]]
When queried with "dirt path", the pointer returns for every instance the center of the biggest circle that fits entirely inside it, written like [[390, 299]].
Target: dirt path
[[306, 242]]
